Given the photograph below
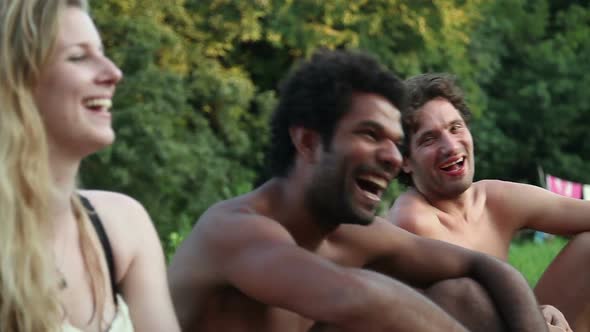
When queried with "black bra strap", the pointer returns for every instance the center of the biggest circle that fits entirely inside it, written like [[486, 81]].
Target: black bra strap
[[104, 241]]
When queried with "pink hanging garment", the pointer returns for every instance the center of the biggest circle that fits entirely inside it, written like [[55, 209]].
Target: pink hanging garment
[[564, 187]]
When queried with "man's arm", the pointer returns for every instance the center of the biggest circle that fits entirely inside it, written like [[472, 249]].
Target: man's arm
[[413, 214], [260, 258], [422, 262], [537, 208]]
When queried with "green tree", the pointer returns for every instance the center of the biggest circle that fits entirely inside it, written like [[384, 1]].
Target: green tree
[[538, 103], [201, 78]]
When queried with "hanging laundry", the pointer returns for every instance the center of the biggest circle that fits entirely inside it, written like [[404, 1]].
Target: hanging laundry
[[587, 192], [564, 187]]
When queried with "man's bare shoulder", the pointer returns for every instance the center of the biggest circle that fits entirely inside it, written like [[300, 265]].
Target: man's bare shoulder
[[494, 186], [502, 194], [500, 185], [235, 219], [224, 230], [517, 205], [413, 213]]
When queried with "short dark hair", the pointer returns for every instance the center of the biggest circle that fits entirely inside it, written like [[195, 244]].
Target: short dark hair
[[319, 92], [422, 89]]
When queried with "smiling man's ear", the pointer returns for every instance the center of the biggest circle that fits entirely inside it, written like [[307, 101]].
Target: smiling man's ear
[[307, 142], [406, 166]]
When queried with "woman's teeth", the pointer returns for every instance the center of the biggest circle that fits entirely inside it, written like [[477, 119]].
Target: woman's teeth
[[99, 102]]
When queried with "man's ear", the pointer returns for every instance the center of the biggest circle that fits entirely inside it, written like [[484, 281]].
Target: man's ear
[[306, 141], [406, 166]]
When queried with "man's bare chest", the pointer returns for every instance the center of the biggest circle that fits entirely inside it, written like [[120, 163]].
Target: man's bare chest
[[479, 232]]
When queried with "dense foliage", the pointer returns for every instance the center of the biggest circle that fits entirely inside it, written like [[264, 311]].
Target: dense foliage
[[201, 77]]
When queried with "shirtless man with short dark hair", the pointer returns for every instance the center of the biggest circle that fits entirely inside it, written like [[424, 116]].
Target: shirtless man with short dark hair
[[263, 262], [443, 203]]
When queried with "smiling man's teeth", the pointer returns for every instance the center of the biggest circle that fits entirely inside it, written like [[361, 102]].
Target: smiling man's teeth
[[377, 181], [99, 102], [452, 163], [372, 196]]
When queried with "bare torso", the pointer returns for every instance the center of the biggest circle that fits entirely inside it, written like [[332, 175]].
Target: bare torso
[[211, 303], [482, 226]]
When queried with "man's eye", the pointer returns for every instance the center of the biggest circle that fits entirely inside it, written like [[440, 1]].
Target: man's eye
[[456, 127], [427, 140], [369, 134]]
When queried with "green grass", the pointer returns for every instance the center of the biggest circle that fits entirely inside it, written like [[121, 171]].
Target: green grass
[[533, 258]]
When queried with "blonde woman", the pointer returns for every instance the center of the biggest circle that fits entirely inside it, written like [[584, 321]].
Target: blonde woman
[[70, 260]]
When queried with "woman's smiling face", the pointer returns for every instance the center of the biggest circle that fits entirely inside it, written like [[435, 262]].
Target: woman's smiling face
[[76, 87]]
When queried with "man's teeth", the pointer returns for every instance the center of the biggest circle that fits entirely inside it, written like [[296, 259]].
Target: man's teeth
[[453, 162], [99, 102], [372, 196], [377, 181]]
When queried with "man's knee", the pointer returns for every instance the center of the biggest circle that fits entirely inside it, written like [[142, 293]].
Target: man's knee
[[565, 282], [468, 302], [581, 241], [460, 291], [574, 257]]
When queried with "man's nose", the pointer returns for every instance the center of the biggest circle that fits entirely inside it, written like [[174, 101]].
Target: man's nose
[[389, 155], [449, 143]]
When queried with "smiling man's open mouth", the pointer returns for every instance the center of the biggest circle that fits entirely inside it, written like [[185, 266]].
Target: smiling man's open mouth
[[372, 186], [453, 165]]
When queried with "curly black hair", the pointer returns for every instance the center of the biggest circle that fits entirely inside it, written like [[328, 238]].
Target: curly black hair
[[422, 89], [319, 92]]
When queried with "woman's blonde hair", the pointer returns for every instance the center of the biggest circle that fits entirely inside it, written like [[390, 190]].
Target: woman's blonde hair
[[29, 285]]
